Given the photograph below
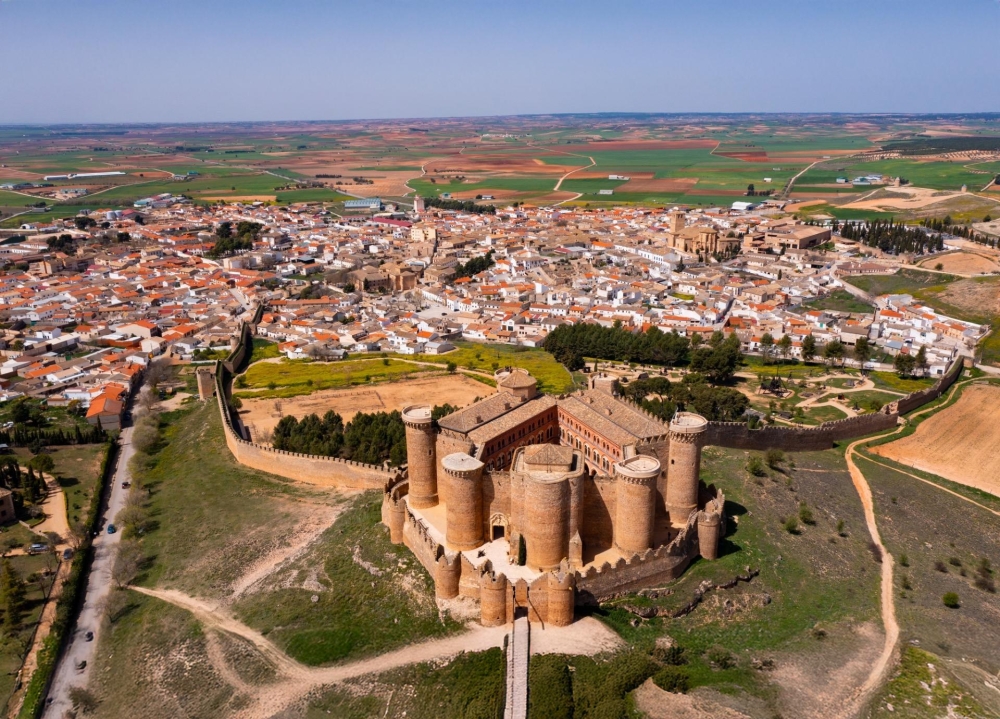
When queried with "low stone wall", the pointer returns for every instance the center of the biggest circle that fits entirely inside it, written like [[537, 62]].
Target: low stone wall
[[654, 566]]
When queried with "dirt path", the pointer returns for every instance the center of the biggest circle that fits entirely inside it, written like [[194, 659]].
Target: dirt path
[[54, 508], [306, 534], [879, 671], [296, 680]]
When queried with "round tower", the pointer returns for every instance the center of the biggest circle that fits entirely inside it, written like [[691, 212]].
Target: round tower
[[709, 533], [464, 528], [421, 456], [562, 599], [635, 507], [546, 515], [447, 576], [394, 516], [687, 436], [493, 599]]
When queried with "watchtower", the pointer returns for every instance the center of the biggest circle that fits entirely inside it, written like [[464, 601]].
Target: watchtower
[[687, 436], [636, 503], [421, 456], [464, 529]]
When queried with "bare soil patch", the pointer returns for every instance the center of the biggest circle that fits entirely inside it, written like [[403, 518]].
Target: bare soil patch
[[960, 443], [702, 703], [262, 415], [968, 263], [674, 184], [904, 198], [977, 297]]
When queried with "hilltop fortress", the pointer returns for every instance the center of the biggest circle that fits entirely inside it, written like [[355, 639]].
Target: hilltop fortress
[[533, 503]]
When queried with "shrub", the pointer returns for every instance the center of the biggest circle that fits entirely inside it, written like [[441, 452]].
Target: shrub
[[672, 679], [986, 584], [551, 674], [904, 561], [906, 583], [720, 658], [774, 458], [955, 561], [950, 600], [840, 528], [805, 514], [941, 566], [672, 656], [791, 525], [755, 466], [82, 700]]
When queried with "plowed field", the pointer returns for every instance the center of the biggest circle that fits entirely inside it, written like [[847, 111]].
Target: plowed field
[[961, 443]]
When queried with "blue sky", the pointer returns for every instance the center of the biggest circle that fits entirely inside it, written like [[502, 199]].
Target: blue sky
[[217, 60]]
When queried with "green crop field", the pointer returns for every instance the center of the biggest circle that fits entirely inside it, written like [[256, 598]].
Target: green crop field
[[288, 378], [933, 175], [553, 377]]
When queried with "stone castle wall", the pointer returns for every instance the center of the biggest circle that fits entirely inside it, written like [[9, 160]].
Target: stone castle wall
[[918, 399], [324, 471], [654, 566], [796, 439]]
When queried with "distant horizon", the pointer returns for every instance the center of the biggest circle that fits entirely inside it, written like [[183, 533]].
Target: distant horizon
[[608, 113], [120, 62]]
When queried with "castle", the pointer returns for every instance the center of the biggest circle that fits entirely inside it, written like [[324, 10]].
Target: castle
[[532, 503]]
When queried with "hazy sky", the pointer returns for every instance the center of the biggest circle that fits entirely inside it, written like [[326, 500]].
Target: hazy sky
[[200, 60]]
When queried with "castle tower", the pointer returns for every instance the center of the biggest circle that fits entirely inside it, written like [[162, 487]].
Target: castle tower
[[709, 532], [562, 599], [687, 436], [447, 575], [206, 384], [418, 204], [394, 516], [464, 529], [546, 516], [421, 456], [635, 508], [493, 599]]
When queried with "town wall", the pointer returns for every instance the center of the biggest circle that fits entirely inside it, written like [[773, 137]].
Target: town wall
[[918, 399], [796, 439], [313, 469]]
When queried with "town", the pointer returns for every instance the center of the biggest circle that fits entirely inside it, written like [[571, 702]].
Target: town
[[93, 299]]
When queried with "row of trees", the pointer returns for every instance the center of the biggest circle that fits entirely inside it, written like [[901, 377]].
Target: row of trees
[[370, 438], [571, 343], [460, 206], [966, 231], [25, 436], [663, 398], [892, 238]]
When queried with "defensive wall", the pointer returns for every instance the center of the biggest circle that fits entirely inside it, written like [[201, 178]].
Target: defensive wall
[[738, 435], [313, 469]]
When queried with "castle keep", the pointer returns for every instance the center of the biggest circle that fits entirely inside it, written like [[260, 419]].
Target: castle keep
[[534, 504]]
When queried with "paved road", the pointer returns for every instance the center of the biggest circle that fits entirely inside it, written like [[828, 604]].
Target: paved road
[[98, 586]]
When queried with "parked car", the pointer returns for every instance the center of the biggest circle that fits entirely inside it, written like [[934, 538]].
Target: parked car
[[112, 529], [89, 636], [67, 554], [38, 548], [81, 665]]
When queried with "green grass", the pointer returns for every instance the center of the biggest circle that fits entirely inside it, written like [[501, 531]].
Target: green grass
[[156, 637], [263, 349], [212, 517], [865, 397], [12, 648], [922, 688], [351, 617], [295, 377], [920, 173], [927, 525], [841, 301], [906, 281], [77, 469], [819, 415], [470, 686], [553, 377], [812, 577], [893, 382]]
